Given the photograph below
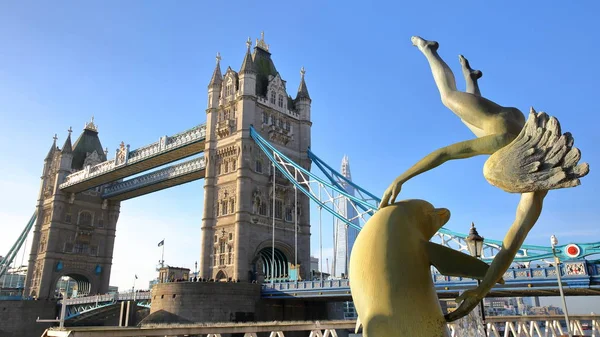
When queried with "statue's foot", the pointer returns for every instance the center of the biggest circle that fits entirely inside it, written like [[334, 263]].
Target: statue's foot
[[474, 74], [423, 44]]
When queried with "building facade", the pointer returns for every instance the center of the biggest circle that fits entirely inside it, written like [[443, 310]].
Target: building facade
[[344, 236], [241, 207], [74, 232]]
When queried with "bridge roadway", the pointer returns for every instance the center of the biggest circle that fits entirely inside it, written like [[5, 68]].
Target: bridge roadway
[[127, 163], [580, 278], [530, 326]]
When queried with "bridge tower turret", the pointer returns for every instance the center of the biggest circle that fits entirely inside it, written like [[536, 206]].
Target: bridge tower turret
[[237, 225], [74, 233]]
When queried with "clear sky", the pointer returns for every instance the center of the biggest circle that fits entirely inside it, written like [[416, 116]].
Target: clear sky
[[142, 69]]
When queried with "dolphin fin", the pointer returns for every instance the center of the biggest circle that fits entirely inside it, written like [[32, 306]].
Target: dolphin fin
[[451, 262], [358, 324]]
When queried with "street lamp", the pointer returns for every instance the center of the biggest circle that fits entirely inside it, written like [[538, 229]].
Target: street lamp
[[475, 245], [554, 242]]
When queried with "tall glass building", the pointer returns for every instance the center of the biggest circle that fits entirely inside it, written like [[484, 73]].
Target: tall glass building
[[344, 236]]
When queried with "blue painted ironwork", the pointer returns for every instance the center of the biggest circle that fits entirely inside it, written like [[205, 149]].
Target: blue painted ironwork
[[164, 145], [271, 153], [579, 274], [78, 306], [152, 178], [12, 253]]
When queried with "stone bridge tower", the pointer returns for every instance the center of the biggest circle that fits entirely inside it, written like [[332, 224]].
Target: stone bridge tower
[[74, 232], [237, 225]]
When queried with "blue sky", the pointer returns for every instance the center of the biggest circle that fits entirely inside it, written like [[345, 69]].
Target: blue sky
[[142, 67]]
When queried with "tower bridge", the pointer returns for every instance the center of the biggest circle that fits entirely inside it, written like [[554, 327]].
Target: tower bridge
[[254, 154]]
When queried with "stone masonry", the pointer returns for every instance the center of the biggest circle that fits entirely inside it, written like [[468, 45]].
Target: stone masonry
[[238, 190]]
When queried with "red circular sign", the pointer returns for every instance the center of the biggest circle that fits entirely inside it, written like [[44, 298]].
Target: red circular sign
[[572, 250]]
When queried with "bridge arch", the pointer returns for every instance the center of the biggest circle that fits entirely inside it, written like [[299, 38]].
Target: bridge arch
[[221, 276], [265, 265], [85, 282]]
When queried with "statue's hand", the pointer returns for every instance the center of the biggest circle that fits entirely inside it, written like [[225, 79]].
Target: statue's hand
[[470, 299], [389, 196]]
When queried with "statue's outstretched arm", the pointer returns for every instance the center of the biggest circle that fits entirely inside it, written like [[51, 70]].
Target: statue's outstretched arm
[[470, 148], [528, 211]]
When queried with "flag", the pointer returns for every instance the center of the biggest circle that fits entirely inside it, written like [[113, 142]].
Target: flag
[[161, 243], [136, 276]]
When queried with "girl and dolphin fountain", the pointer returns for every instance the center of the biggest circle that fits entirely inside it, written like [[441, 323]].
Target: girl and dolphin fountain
[[530, 158], [527, 157]]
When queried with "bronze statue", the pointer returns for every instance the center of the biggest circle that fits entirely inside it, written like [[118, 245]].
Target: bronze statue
[[528, 157]]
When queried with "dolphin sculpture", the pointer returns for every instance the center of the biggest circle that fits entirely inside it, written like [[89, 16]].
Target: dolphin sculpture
[[390, 274]]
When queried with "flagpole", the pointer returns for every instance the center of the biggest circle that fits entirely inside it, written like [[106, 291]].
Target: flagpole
[[273, 239], [135, 278], [162, 258]]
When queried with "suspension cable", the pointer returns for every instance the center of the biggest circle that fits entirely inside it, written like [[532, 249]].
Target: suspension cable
[[273, 239], [320, 237], [296, 226]]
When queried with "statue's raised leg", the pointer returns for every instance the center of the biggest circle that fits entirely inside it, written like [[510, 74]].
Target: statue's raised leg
[[471, 76], [471, 108]]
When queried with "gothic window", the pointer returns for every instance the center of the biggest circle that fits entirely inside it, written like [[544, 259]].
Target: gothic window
[[230, 259], [230, 251], [280, 123], [265, 118], [230, 236], [218, 209], [272, 97], [259, 166], [232, 205], [287, 125], [80, 248], [233, 165], [229, 88], [219, 168], [227, 114], [278, 209], [224, 207], [216, 257], [221, 259], [262, 209], [225, 167], [101, 221], [93, 250], [288, 214], [85, 219], [272, 120], [280, 101], [222, 248], [216, 240]]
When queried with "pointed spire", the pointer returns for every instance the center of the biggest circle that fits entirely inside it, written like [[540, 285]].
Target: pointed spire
[[302, 89], [67, 147], [91, 126], [261, 43], [52, 149], [248, 63], [217, 78], [345, 171]]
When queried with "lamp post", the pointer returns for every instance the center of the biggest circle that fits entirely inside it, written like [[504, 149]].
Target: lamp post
[[554, 242], [475, 245]]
